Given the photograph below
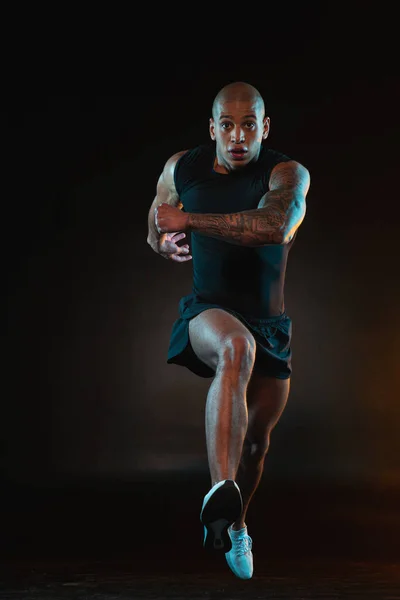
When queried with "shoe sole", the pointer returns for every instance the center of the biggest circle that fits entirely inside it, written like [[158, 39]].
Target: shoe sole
[[220, 511]]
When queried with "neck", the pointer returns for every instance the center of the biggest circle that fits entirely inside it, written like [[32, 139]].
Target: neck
[[223, 167], [220, 168]]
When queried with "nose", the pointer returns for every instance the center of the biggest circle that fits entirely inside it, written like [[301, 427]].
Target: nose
[[237, 135]]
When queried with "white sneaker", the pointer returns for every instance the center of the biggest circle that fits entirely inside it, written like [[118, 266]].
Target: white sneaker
[[221, 507], [240, 557]]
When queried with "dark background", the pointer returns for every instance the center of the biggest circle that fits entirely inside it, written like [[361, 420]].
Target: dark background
[[88, 124]]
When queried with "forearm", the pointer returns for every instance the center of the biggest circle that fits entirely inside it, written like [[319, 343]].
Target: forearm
[[249, 228], [257, 227], [267, 224]]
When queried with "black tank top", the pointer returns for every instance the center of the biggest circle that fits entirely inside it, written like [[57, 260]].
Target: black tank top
[[248, 280]]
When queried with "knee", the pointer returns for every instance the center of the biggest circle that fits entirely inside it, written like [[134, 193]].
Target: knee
[[255, 450], [238, 351], [259, 450]]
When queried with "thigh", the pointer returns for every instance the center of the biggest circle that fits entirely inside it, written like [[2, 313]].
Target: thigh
[[210, 331], [266, 401]]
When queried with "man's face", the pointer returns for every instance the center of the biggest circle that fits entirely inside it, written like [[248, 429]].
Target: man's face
[[238, 128]]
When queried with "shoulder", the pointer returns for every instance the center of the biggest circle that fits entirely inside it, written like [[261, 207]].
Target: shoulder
[[282, 169], [167, 176], [191, 155], [266, 163], [170, 164], [289, 173], [192, 165], [196, 154]]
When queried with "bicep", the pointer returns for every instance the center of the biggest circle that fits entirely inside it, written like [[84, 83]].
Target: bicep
[[166, 192], [290, 175], [285, 202]]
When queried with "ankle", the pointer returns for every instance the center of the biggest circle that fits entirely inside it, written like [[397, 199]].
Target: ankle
[[238, 525]]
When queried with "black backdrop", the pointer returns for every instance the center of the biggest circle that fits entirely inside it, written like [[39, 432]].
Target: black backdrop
[[88, 128]]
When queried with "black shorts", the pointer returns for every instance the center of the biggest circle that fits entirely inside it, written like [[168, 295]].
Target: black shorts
[[272, 335]]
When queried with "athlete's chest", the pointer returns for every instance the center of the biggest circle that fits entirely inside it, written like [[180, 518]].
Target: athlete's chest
[[217, 193]]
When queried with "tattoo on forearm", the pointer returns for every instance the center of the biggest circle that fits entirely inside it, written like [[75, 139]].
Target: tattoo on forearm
[[257, 227]]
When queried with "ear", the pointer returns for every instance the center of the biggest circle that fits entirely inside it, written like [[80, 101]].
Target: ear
[[266, 123], [212, 129]]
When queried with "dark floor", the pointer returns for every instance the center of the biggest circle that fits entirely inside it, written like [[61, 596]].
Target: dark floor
[[144, 540]]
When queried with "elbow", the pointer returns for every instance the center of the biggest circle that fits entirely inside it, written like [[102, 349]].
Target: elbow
[[279, 237], [288, 232], [287, 236]]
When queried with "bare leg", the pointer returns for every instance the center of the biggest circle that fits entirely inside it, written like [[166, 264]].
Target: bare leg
[[222, 342], [266, 399]]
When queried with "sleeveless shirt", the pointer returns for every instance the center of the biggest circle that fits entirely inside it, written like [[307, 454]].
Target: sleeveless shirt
[[249, 280]]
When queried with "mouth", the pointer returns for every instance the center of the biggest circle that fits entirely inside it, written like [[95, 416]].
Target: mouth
[[238, 153]]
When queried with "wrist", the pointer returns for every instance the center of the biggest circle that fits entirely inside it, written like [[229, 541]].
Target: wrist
[[189, 222]]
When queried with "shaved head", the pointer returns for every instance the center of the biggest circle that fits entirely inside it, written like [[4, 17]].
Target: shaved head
[[237, 92]]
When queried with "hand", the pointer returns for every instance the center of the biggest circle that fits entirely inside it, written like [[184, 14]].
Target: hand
[[169, 219], [169, 249]]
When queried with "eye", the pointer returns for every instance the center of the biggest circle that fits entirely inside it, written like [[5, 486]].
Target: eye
[[250, 124], [225, 124]]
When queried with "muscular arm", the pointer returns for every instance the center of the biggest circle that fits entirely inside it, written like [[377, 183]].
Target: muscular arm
[[280, 212], [166, 192]]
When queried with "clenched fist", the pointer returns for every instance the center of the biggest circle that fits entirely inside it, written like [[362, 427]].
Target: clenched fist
[[169, 219]]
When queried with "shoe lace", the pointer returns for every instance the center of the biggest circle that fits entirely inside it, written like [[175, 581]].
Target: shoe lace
[[243, 545]]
